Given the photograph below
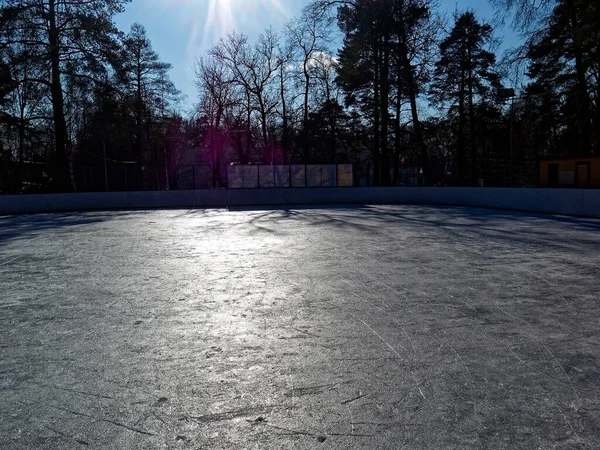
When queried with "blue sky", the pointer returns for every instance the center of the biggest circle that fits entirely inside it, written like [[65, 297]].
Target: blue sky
[[181, 30]]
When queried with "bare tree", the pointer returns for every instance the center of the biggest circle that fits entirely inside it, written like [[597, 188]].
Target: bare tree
[[284, 77], [525, 13], [308, 36], [215, 83], [253, 69]]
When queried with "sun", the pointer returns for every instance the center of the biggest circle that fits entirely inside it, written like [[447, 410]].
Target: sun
[[219, 16], [209, 20], [225, 15], [206, 21]]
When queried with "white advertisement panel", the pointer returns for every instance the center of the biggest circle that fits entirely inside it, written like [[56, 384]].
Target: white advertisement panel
[[235, 177], [345, 175], [266, 176], [313, 176], [281, 176], [250, 177], [328, 175], [298, 175]]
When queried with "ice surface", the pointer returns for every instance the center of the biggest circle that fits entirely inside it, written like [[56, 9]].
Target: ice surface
[[334, 327]]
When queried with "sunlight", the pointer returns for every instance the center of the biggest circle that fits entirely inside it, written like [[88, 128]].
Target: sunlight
[[209, 20], [224, 15]]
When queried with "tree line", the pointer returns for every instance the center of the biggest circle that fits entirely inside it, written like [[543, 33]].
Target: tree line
[[391, 86]]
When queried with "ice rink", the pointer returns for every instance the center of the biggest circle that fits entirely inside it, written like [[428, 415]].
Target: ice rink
[[367, 327]]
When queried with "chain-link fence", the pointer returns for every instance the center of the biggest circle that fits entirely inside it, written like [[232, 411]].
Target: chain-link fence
[[37, 177]]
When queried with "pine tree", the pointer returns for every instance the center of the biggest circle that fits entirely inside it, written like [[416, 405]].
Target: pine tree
[[148, 83], [69, 40], [464, 75], [566, 60], [378, 56]]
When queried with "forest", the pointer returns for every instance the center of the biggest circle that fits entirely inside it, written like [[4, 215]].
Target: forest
[[406, 92]]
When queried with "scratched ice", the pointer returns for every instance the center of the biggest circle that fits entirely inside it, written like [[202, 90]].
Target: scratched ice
[[334, 327]]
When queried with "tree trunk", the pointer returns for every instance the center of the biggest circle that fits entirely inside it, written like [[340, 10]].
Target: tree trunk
[[139, 106], [284, 137], [166, 166], [472, 125], [156, 169], [460, 148], [248, 128], [384, 105], [585, 125], [58, 106], [412, 95], [397, 136], [418, 129], [597, 121], [265, 133], [217, 144], [305, 111], [21, 140], [22, 122], [20, 163], [333, 131], [376, 118]]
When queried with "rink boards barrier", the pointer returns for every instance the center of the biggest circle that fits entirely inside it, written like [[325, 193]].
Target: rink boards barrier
[[574, 202]]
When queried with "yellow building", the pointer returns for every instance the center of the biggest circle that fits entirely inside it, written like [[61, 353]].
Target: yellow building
[[572, 172]]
